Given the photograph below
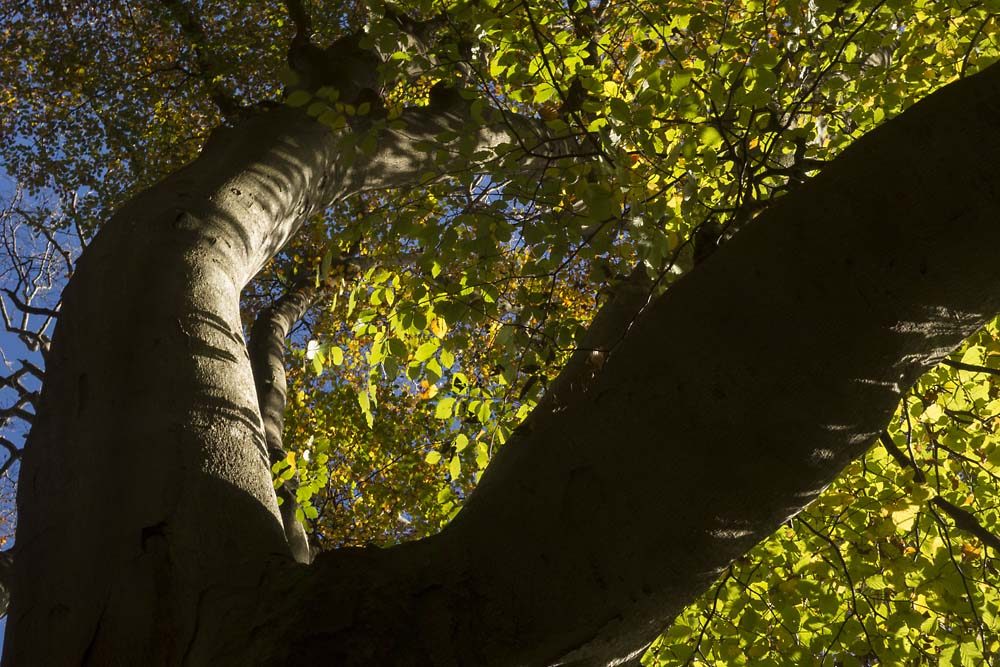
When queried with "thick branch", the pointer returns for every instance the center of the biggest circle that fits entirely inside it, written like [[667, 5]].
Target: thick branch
[[302, 22], [736, 398], [209, 67], [267, 357], [967, 521], [608, 328]]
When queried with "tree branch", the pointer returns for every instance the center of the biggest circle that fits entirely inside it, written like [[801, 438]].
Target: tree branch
[[963, 519], [209, 67], [972, 368], [27, 308], [967, 521], [266, 348], [267, 358], [713, 421], [302, 22], [6, 570]]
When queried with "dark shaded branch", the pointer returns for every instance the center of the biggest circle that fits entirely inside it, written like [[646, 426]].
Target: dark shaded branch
[[25, 397], [32, 368], [608, 328], [967, 521], [17, 411], [209, 67], [592, 528], [28, 308], [35, 340], [972, 43], [13, 455], [972, 368], [267, 358], [302, 22], [902, 459]]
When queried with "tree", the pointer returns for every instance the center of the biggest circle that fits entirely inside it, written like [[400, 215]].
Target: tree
[[691, 419]]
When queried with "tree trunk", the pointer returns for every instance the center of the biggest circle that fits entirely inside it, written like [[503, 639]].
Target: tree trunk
[[148, 528], [145, 497]]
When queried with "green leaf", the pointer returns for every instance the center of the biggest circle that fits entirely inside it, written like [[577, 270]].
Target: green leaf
[[710, 137], [298, 98], [316, 108], [426, 351], [544, 92], [444, 408], [328, 93], [366, 408], [336, 355]]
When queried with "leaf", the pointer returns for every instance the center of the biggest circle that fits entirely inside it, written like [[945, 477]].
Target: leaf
[[328, 93], [426, 351], [443, 409], [544, 92], [482, 455], [366, 408], [439, 327], [336, 355], [455, 467], [428, 391], [332, 119], [316, 108], [433, 457], [710, 137], [298, 98]]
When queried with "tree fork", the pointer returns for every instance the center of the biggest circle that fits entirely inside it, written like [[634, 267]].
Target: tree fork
[[149, 528]]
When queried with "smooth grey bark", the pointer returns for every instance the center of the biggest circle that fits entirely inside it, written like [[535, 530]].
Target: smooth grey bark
[[145, 502], [266, 348], [149, 531]]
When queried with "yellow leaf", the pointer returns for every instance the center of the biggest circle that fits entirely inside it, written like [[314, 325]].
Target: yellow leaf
[[439, 327], [428, 390]]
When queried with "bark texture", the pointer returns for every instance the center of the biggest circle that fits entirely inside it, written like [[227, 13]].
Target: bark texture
[[146, 510], [149, 531], [267, 358]]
